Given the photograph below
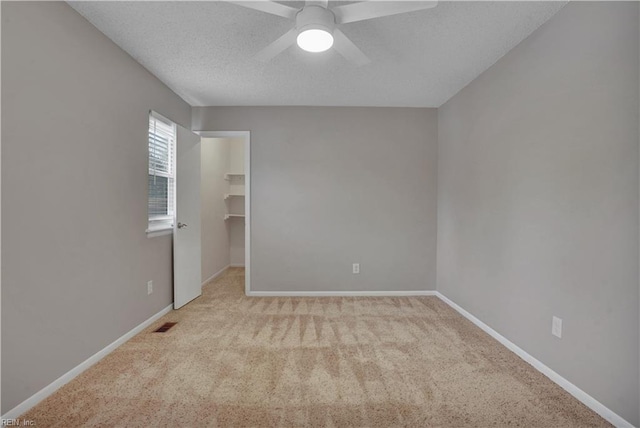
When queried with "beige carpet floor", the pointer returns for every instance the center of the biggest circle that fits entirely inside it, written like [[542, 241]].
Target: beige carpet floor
[[233, 360]]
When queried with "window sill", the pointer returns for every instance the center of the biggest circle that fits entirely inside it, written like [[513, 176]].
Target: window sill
[[159, 231]]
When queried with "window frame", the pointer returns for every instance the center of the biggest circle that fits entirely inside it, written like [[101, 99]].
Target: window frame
[[162, 225]]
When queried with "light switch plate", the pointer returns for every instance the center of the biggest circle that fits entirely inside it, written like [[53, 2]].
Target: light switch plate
[[556, 327]]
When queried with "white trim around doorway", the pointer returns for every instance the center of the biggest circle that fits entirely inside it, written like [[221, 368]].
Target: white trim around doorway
[[247, 195]]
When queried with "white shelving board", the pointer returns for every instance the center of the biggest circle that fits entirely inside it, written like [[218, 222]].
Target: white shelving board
[[228, 216], [231, 175], [235, 194], [232, 195], [236, 183]]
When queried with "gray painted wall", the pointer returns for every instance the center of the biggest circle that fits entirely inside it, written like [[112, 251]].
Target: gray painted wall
[[336, 185], [538, 198], [214, 230], [75, 257]]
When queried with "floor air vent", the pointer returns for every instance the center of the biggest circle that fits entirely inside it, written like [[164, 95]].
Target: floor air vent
[[165, 327]]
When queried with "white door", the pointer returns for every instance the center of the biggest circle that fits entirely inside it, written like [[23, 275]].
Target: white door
[[187, 283]]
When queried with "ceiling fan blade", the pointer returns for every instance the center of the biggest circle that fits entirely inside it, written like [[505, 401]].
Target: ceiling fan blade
[[348, 49], [278, 46], [268, 6], [376, 9], [321, 3]]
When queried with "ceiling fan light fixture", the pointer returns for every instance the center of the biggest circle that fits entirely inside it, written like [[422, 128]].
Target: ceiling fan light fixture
[[315, 25], [315, 40]]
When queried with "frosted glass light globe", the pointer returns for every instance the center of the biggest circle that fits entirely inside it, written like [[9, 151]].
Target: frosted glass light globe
[[315, 40]]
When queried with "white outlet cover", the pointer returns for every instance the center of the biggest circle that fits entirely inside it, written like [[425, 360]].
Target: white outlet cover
[[149, 287], [356, 268], [556, 327]]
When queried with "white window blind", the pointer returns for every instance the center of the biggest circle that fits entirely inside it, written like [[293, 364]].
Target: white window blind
[[161, 207]]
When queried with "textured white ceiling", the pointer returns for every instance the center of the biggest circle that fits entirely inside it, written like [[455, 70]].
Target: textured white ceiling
[[204, 51]]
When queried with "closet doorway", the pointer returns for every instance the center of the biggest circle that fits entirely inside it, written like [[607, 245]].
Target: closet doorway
[[226, 203]]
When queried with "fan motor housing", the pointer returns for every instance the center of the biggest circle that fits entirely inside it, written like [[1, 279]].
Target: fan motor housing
[[315, 17]]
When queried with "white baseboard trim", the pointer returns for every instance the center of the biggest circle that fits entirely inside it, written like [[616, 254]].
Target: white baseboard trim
[[582, 396], [236, 265], [67, 377], [342, 293], [215, 275]]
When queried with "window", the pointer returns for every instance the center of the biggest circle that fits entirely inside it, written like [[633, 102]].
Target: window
[[161, 207]]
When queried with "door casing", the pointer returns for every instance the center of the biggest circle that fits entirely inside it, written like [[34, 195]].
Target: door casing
[[246, 135]]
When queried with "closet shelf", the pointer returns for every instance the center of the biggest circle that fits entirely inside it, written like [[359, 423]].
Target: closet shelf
[[228, 216], [228, 175], [230, 195]]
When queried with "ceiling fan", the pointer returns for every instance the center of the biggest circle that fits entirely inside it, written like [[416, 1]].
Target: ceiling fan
[[316, 25]]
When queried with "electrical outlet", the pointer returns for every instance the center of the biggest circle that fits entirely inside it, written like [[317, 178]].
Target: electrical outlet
[[149, 287], [356, 268], [556, 327]]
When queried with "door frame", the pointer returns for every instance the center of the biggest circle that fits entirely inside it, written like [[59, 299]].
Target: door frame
[[247, 195]]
